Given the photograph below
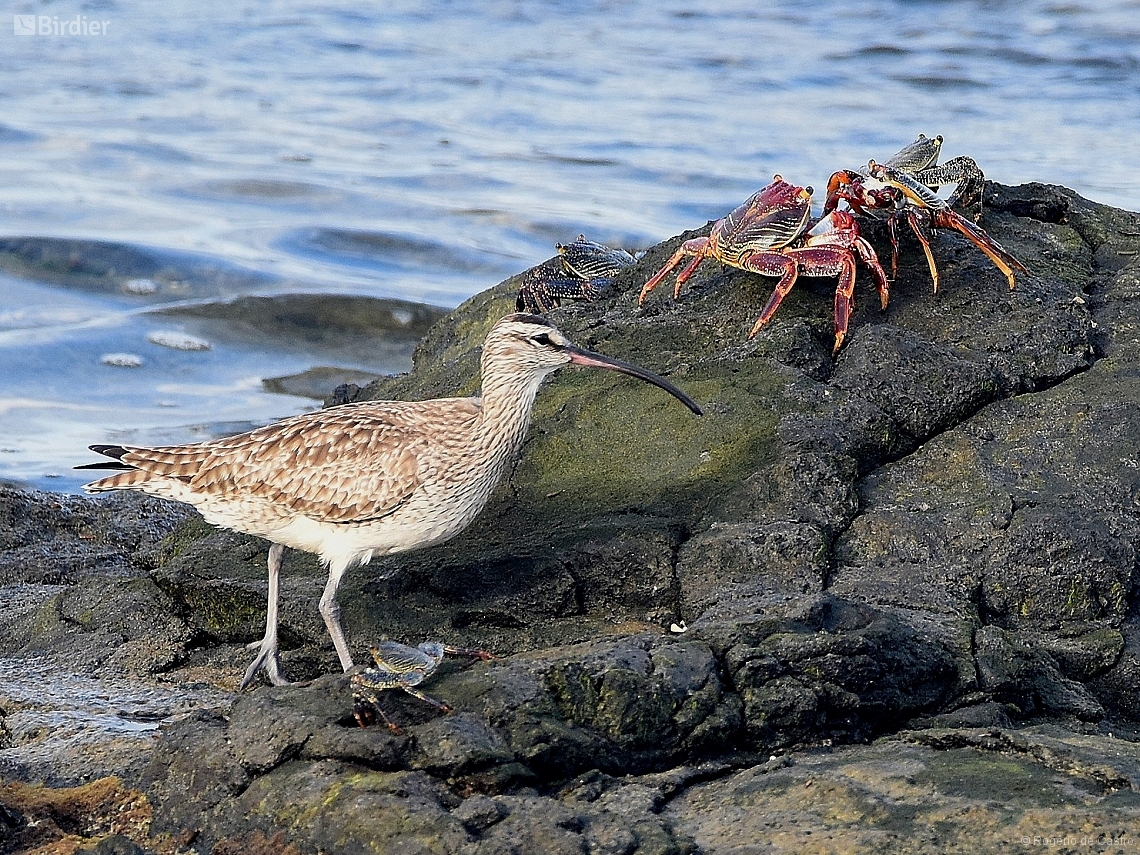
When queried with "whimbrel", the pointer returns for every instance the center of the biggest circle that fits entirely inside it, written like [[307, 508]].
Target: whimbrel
[[360, 480]]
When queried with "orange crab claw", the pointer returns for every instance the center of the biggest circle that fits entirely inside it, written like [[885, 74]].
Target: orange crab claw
[[842, 178]]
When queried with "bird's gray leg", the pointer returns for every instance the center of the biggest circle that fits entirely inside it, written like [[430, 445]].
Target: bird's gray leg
[[268, 658], [330, 611]]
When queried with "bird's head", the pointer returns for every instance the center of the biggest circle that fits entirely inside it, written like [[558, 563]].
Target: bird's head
[[530, 344]]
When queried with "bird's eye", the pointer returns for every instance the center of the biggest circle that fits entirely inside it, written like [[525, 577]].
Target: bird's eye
[[543, 339]]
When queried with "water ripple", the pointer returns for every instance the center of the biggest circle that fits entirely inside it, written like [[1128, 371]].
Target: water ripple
[[387, 250]]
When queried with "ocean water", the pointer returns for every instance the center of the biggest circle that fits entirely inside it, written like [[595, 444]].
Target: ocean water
[[427, 150]]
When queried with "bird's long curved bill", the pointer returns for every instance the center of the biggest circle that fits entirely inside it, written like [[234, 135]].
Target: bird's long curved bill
[[578, 356]]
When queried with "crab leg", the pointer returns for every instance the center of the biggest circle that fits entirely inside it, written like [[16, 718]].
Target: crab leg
[[830, 261], [812, 261], [696, 246], [823, 258], [474, 653], [1006, 263], [961, 171], [684, 275], [893, 233], [920, 221], [868, 256], [439, 705], [361, 712], [780, 264], [844, 289]]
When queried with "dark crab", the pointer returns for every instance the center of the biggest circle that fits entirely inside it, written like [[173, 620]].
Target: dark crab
[[581, 271], [769, 235], [398, 666], [904, 187]]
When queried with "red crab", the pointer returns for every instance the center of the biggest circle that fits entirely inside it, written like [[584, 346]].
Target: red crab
[[904, 187], [769, 235]]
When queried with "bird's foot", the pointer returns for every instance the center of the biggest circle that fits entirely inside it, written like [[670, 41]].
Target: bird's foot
[[269, 660]]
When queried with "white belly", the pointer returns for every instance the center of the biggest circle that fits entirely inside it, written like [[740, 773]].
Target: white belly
[[429, 517]]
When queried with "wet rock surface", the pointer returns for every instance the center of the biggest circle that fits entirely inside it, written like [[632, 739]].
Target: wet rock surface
[[361, 331], [881, 600], [102, 266]]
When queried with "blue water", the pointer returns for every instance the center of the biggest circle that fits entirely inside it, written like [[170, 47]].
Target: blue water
[[428, 150]]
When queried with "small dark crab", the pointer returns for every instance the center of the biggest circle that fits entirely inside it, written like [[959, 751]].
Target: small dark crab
[[904, 187], [581, 271], [769, 234], [398, 666]]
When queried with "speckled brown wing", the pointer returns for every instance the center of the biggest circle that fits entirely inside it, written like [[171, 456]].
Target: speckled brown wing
[[342, 465]]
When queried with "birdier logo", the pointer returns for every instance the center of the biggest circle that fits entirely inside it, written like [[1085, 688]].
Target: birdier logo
[[52, 25]]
